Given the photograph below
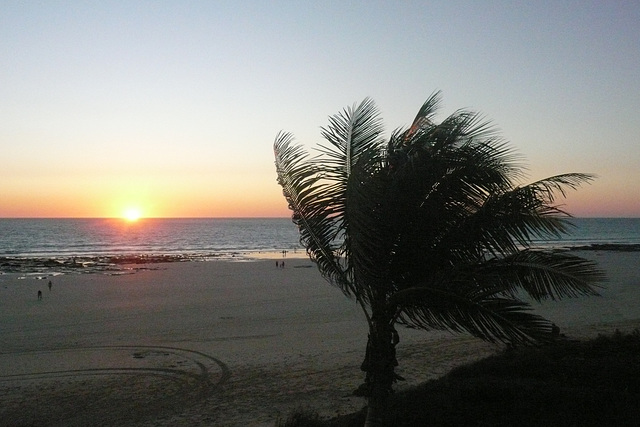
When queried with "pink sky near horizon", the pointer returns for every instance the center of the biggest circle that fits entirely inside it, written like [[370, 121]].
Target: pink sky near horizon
[[171, 108]]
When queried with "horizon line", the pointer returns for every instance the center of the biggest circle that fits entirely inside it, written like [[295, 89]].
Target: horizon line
[[242, 217], [145, 217]]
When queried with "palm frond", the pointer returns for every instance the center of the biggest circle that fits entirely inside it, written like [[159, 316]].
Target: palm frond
[[483, 314], [484, 299], [513, 218], [354, 131], [547, 188], [424, 118], [435, 192], [542, 275], [301, 186], [348, 162]]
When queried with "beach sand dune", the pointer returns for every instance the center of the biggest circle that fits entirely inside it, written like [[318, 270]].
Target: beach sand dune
[[222, 343]]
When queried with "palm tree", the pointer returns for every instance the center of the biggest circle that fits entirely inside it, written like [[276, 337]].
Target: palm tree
[[429, 230]]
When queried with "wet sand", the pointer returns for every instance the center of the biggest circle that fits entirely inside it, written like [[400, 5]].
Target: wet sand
[[222, 343]]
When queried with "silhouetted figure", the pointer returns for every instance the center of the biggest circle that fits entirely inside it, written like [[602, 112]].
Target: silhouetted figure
[[49, 285], [39, 295]]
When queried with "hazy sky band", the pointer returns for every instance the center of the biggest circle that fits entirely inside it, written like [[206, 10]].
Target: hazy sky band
[[173, 106]]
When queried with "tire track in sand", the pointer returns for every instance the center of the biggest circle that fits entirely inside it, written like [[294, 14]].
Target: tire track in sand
[[111, 385]]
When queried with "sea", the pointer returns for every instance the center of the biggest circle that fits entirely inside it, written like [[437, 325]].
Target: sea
[[222, 237], [192, 237]]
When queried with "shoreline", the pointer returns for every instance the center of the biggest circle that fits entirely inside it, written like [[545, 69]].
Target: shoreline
[[118, 263]]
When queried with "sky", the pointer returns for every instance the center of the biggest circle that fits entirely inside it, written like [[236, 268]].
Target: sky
[[171, 108]]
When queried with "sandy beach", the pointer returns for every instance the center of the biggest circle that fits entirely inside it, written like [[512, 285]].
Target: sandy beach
[[224, 343]]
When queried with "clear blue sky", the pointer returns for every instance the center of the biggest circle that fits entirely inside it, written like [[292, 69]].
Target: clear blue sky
[[172, 107]]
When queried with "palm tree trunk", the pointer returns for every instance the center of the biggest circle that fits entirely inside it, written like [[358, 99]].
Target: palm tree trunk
[[376, 409], [379, 364]]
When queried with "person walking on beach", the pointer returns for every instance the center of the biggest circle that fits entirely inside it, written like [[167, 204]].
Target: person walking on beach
[[49, 285], [39, 295]]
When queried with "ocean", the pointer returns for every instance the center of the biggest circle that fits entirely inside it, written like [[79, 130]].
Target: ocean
[[195, 237], [597, 231], [202, 237]]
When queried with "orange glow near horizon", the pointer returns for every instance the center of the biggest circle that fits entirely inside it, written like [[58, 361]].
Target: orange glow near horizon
[[590, 201], [241, 199]]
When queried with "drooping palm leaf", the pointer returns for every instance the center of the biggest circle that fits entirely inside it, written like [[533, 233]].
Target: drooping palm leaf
[[510, 220], [542, 275], [482, 313], [349, 159], [301, 186], [319, 194]]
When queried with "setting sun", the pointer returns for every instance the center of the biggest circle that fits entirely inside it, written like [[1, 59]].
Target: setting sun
[[132, 214]]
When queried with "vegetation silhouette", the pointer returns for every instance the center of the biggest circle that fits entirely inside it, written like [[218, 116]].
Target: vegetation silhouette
[[566, 383], [430, 229]]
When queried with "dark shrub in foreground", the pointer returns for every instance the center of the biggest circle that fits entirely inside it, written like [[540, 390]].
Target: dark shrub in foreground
[[568, 383]]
